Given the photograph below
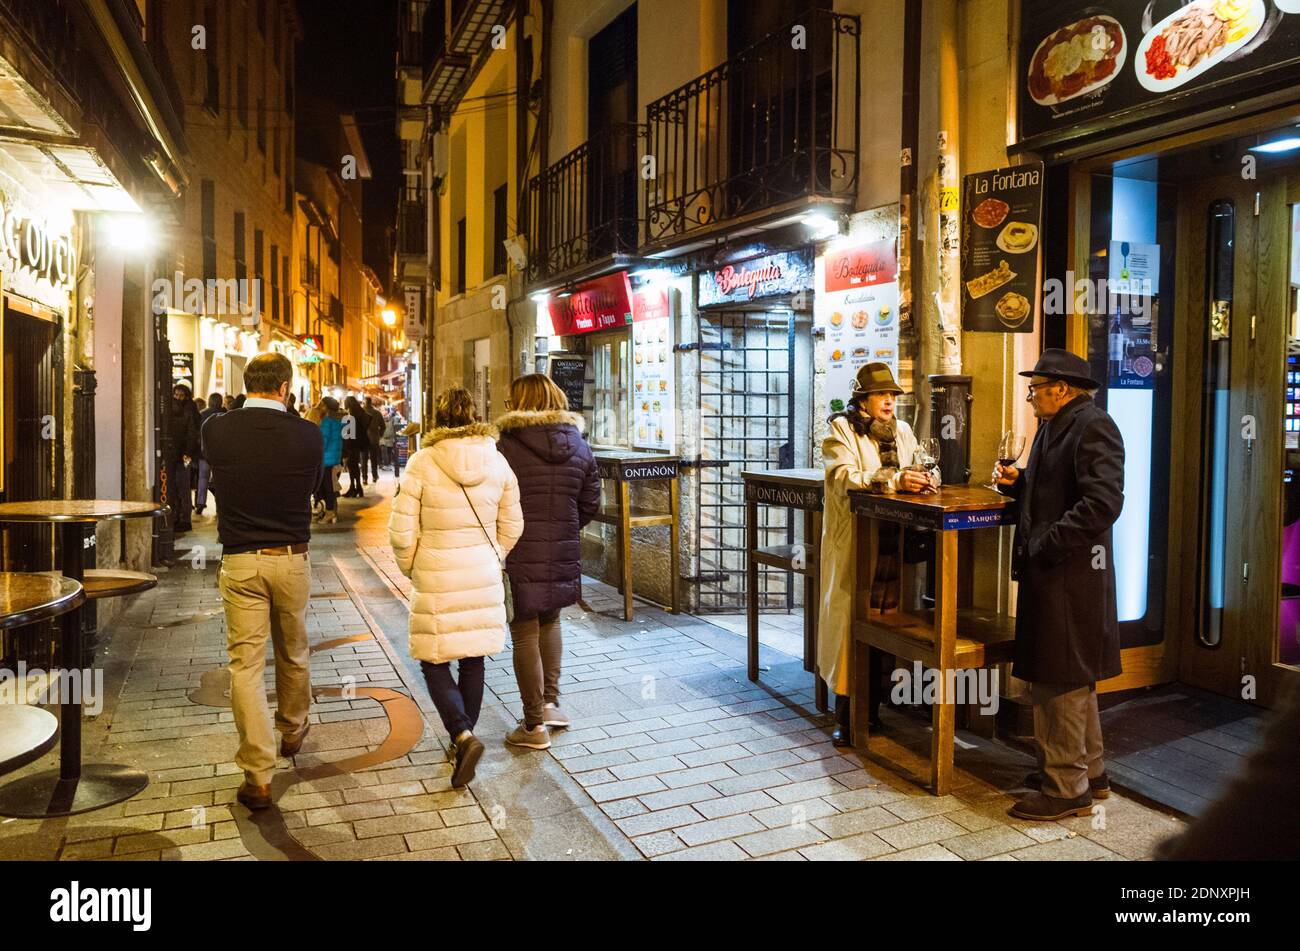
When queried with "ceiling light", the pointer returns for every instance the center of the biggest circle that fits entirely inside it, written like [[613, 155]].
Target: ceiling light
[[1289, 144]]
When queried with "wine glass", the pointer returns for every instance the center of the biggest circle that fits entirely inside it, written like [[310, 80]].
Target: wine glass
[[1010, 448], [926, 457]]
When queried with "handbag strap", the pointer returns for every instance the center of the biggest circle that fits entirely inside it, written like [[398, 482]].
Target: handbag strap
[[481, 528]]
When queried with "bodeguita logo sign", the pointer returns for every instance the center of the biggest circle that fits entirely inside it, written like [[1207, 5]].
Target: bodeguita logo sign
[[730, 280]]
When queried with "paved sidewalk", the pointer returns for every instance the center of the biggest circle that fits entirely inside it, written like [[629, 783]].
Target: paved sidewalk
[[673, 753]]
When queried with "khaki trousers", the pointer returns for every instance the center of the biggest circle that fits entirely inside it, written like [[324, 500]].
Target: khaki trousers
[[1067, 731], [265, 597]]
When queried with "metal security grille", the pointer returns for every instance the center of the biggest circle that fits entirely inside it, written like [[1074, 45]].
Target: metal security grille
[[746, 422]]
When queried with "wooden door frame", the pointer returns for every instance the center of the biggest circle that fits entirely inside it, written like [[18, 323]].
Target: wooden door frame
[[1154, 664]]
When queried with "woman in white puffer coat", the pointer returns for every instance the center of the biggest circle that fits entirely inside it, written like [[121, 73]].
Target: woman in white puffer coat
[[455, 518]]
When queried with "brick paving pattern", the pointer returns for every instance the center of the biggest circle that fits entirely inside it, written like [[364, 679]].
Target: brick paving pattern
[[673, 755]]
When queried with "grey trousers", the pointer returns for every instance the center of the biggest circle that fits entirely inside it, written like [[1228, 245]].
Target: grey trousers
[[538, 647], [1067, 733]]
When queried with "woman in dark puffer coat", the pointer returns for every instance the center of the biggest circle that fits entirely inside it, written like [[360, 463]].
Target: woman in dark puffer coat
[[559, 491]]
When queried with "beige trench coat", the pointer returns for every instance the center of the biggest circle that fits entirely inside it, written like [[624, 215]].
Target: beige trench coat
[[850, 462]]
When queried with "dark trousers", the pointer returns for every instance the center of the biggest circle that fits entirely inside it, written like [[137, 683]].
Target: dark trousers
[[458, 703], [538, 650], [353, 459], [375, 452], [325, 491], [178, 495]]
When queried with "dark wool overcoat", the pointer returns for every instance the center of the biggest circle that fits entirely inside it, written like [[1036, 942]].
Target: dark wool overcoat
[[1069, 495]]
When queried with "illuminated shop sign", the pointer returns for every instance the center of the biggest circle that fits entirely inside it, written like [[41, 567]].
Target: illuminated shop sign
[[773, 275], [595, 305], [38, 258]]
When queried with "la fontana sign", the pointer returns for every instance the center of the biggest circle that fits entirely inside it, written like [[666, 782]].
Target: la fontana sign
[[36, 259]]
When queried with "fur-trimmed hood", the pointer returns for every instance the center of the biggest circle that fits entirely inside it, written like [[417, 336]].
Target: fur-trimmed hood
[[518, 419], [440, 433], [553, 435], [464, 453]]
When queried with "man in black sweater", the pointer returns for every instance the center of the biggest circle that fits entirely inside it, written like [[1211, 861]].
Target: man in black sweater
[[266, 462]]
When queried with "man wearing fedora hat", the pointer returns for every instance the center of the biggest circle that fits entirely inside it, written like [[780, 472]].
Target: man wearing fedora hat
[[867, 443], [1067, 633]]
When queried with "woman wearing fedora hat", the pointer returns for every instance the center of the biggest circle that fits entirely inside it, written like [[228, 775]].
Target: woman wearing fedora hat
[[867, 444]]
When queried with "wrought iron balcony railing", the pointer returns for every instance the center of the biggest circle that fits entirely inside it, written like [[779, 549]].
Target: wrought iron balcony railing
[[584, 207], [412, 226], [777, 122], [472, 22]]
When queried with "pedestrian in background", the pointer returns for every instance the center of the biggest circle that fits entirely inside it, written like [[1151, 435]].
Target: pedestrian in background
[[291, 405], [374, 438], [389, 438], [330, 420], [354, 443], [215, 406], [228, 402], [454, 520], [267, 462], [180, 449], [559, 493]]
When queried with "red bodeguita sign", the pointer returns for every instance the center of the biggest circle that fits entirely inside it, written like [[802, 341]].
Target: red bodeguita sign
[[862, 266], [596, 305]]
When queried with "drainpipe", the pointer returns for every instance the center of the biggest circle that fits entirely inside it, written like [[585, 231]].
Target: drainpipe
[[937, 301]]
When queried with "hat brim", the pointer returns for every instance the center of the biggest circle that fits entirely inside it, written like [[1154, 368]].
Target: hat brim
[[1084, 381], [897, 391]]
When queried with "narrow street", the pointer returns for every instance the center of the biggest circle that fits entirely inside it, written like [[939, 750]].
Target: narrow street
[[673, 753]]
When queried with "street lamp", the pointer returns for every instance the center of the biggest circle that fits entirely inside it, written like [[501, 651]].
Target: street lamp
[[390, 316]]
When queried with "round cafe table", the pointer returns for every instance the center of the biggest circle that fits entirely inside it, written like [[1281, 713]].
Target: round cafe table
[[75, 786], [27, 732]]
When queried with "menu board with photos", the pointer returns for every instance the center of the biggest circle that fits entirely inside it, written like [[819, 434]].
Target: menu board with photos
[[1089, 67], [1002, 213], [183, 369], [857, 305], [654, 411]]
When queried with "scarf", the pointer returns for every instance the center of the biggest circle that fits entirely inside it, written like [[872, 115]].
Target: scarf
[[885, 436]]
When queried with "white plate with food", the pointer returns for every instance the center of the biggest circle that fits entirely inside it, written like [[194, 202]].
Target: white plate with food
[[1079, 58], [1194, 39], [1018, 237]]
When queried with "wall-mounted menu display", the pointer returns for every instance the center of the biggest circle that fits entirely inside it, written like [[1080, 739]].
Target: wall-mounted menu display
[[1000, 249], [654, 409], [857, 306], [569, 373], [1089, 67]]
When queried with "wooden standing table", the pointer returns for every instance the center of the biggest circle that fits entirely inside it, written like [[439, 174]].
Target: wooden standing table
[[944, 639], [801, 489], [76, 787], [623, 467]]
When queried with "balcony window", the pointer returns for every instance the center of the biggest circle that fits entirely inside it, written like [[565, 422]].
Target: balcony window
[[771, 125]]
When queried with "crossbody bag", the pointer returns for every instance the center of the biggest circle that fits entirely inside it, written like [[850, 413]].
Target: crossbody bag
[[505, 578]]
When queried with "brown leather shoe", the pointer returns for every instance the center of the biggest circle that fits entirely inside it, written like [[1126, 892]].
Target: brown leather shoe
[[254, 797], [290, 747]]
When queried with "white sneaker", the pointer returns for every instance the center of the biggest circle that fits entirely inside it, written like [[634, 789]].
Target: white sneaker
[[553, 716]]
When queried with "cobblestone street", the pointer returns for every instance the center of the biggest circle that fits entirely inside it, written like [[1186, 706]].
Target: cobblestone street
[[673, 753]]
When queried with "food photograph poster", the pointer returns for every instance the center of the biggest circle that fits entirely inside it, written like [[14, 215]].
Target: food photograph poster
[[1002, 215], [654, 411], [857, 305]]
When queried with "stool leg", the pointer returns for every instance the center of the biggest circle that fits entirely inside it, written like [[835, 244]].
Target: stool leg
[[751, 588], [73, 659], [625, 513]]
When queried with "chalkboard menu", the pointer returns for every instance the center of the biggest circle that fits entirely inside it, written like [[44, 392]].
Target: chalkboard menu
[[1002, 213], [570, 375]]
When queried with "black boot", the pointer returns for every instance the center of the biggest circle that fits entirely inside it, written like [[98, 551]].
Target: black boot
[[842, 736]]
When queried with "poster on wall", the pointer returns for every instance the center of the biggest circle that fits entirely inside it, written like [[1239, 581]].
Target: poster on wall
[[1134, 268], [857, 306], [1295, 245], [1001, 218], [1086, 68], [183, 370], [654, 407]]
